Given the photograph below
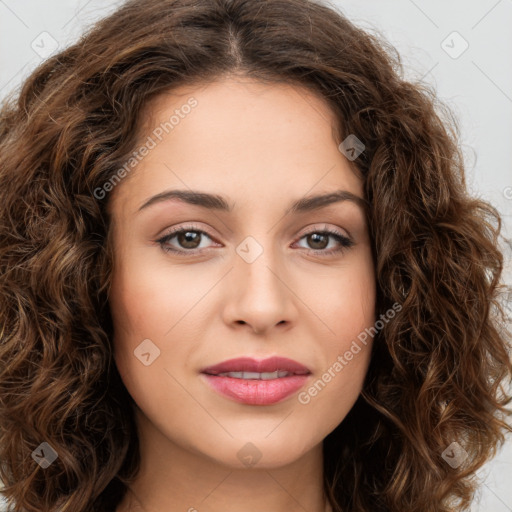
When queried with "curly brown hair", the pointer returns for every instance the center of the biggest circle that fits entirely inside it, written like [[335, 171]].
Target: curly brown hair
[[438, 371]]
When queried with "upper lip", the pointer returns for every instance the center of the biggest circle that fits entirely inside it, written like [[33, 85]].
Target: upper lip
[[247, 364]]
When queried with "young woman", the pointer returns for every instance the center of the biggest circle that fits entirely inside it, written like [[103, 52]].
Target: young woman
[[240, 271]]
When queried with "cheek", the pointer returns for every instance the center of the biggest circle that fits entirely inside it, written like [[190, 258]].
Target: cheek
[[338, 382], [145, 308], [332, 394], [347, 304], [347, 307], [150, 300]]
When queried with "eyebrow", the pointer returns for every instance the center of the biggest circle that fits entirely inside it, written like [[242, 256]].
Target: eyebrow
[[220, 203]]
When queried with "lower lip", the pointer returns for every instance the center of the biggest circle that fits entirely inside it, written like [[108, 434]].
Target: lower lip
[[256, 392]]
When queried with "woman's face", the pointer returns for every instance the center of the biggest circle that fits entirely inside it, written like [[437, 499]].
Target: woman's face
[[255, 277]]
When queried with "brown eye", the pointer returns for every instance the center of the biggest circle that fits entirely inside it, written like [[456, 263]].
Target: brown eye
[[188, 239], [319, 240]]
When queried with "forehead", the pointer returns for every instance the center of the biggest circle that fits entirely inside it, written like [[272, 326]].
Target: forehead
[[241, 135], [234, 91]]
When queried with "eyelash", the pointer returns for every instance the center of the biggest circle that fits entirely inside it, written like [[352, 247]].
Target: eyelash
[[343, 240]]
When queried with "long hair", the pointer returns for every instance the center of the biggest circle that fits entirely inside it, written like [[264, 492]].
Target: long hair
[[439, 368]]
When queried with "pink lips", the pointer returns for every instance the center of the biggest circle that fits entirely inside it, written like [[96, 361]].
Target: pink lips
[[255, 391]]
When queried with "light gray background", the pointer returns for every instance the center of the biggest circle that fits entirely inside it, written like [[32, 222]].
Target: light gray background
[[476, 83]]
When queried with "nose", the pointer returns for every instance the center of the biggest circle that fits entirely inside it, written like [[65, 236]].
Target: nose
[[260, 295]]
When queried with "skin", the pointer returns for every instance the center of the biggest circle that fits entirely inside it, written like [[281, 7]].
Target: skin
[[262, 147]]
